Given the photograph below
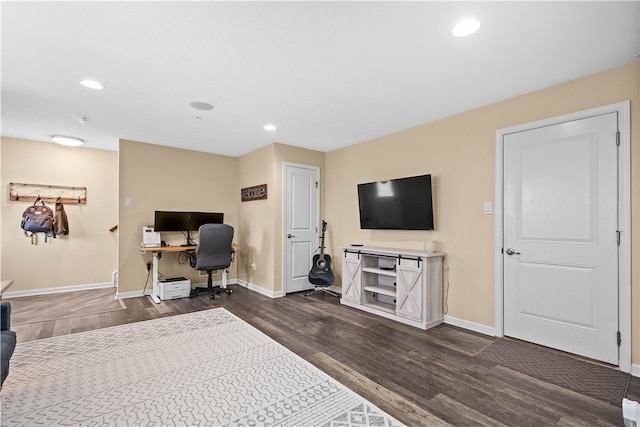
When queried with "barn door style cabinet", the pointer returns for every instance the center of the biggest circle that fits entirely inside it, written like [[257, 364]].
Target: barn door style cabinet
[[401, 285]]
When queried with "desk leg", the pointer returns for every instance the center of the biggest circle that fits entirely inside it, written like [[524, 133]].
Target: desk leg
[[155, 290]]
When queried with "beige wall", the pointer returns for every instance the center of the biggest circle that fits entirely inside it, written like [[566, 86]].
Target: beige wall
[[87, 256], [261, 220], [163, 178], [459, 152], [256, 219]]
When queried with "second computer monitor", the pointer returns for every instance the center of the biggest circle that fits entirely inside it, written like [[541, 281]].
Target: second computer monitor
[[196, 219]]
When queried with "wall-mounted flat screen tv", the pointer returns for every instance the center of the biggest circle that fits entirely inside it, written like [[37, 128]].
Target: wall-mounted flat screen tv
[[396, 204]]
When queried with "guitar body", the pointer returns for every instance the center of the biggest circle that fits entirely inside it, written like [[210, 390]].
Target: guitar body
[[321, 274]]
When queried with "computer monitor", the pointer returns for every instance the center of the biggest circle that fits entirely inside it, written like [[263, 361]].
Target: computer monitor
[[196, 219], [171, 221]]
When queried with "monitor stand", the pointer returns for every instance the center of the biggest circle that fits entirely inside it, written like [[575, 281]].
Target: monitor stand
[[189, 241]]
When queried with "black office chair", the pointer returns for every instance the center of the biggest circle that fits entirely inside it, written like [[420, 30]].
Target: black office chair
[[214, 252]]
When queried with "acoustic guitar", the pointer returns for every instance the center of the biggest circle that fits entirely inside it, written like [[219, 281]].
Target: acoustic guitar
[[321, 274]]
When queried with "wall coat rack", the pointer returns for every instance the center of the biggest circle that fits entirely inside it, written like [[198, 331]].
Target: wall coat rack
[[49, 193]]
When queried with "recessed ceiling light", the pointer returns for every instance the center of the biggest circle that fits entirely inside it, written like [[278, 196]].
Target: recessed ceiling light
[[270, 127], [201, 105], [92, 84], [465, 28], [71, 141]]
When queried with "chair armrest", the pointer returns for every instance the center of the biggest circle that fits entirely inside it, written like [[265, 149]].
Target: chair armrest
[[5, 316]]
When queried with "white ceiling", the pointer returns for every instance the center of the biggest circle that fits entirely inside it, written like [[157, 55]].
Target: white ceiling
[[328, 74]]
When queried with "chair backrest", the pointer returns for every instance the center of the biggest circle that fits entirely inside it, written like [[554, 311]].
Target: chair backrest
[[215, 249]]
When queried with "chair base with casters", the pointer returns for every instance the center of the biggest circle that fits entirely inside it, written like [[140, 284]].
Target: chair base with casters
[[323, 289], [213, 290]]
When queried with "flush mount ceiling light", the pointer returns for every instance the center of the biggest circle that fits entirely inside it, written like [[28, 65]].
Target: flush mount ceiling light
[[270, 127], [465, 28], [198, 105], [92, 84], [70, 141]]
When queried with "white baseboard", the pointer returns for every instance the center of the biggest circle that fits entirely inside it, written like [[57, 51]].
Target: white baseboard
[[214, 283], [337, 290], [635, 370], [133, 294], [45, 291], [250, 286], [260, 290], [472, 326], [277, 294]]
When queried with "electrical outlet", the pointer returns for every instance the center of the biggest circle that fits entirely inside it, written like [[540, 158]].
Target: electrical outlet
[[149, 265]]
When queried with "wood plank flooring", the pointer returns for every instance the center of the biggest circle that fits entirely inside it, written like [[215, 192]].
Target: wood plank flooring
[[38, 308], [423, 378]]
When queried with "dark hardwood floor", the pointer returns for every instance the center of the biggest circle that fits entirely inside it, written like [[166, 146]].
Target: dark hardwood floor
[[423, 378]]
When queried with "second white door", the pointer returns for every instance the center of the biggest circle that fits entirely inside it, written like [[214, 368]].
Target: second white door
[[560, 237], [300, 224]]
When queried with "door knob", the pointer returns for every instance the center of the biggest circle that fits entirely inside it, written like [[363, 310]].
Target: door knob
[[290, 235], [512, 252]]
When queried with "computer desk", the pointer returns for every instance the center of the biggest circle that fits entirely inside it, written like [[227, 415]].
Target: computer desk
[[156, 251]]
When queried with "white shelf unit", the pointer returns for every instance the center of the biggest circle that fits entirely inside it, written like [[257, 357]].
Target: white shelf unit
[[401, 285]]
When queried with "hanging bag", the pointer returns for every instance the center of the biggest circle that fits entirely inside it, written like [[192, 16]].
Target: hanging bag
[[60, 220], [38, 219]]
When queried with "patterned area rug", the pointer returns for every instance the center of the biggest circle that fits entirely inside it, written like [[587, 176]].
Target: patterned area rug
[[597, 381], [204, 368]]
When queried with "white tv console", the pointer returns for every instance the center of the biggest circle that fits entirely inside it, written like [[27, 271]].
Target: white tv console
[[398, 284]]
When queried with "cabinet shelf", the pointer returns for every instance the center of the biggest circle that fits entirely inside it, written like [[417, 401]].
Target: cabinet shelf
[[383, 290], [382, 306], [381, 271]]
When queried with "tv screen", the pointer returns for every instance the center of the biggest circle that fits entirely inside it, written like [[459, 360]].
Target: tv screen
[[196, 219], [397, 204], [171, 221]]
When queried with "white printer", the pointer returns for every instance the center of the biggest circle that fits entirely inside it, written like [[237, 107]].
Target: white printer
[[176, 287]]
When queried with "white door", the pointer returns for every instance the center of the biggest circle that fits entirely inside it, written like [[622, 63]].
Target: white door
[[560, 237], [409, 298], [300, 224], [351, 277]]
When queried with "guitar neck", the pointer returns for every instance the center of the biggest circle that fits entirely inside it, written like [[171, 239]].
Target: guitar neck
[[324, 228], [322, 245]]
